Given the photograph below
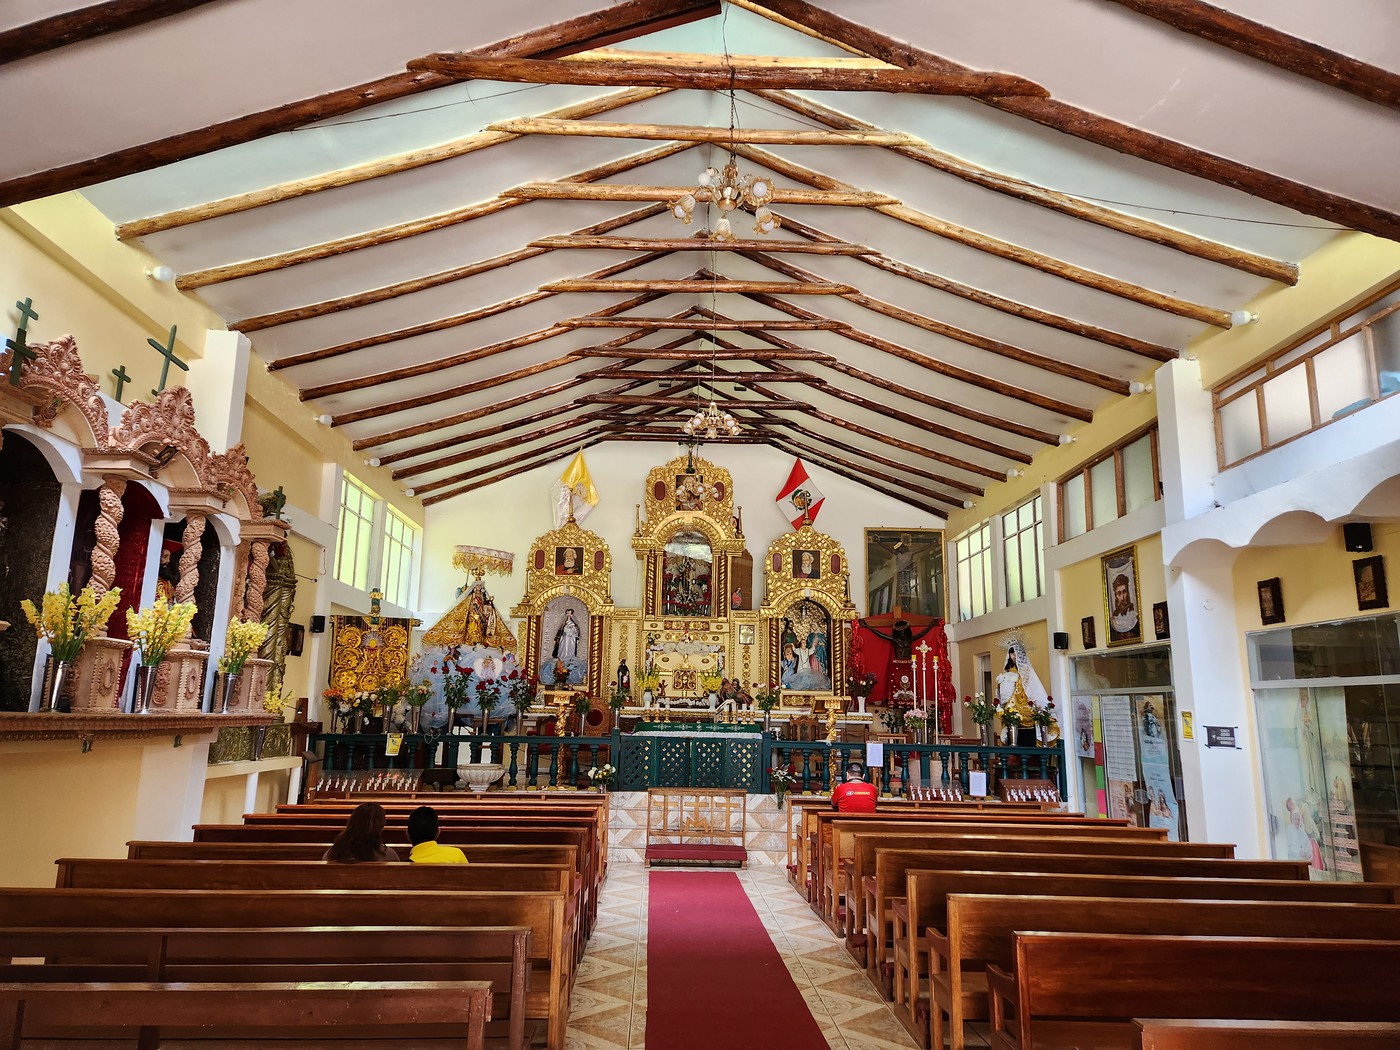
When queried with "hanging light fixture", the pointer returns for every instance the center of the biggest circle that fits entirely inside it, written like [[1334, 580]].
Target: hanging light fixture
[[710, 422], [728, 190]]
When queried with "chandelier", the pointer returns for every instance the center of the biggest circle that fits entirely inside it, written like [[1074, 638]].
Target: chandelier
[[710, 423], [727, 189]]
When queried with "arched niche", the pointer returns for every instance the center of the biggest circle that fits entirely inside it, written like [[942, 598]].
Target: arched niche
[[688, 574], [807, 608], [29, 499]]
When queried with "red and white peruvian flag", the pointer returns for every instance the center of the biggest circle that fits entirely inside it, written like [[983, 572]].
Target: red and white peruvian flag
[[799, 498]]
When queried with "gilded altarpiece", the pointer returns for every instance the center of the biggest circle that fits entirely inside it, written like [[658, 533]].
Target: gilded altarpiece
[[807, 613], [357, 667]]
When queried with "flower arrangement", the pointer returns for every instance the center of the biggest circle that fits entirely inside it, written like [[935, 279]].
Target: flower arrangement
[[244, 638], [391, 691], [488, 694], [619, 698], [416, 696], [1045, 716], [602, 775], [156, 629], [782, 778], [711, 683], [524, 691], [366, 701], [861, 685], [274, 701], [979, 709], [648, 681], [583, 703], [559, 670], [335, 697], [68, 622], [456, 688], [766, 697]]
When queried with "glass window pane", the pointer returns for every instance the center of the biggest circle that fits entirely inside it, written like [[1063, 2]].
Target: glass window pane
[[1030, 573], [1138, 489], [1103, 484], [1072, 500], [1286, 408], [1239, 428], [1385, 337], [1343, 380]]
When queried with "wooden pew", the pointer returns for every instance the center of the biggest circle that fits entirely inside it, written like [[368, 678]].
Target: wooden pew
[[1078, 989], [544, 914], [927, 892], [858, 874], [1215, 1034], [980, 929], [891, 868], [481, 853], [349, 1010], [498, 955]]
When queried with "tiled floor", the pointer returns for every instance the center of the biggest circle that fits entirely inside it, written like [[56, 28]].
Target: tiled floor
[[608, 1010]]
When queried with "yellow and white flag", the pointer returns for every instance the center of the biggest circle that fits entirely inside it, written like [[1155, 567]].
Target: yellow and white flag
[[575, 490]]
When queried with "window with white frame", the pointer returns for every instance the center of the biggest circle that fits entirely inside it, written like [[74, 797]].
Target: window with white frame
[[1115, 484], [1023, 541], [400, 543], [974, 554], [355, 540]]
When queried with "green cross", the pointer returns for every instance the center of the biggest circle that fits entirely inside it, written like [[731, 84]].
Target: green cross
[[122, 379], [20, 353], [167, 351]]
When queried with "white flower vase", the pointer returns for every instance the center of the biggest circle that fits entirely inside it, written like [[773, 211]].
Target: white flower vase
[[860, 705], [647, 697], [714, 700]]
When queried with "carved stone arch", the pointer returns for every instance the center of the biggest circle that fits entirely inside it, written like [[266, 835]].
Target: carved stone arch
[[55, 381], [229, 473], [166, 423]]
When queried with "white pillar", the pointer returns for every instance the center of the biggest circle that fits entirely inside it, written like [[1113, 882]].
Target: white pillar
[[250, 793], [219, 384]]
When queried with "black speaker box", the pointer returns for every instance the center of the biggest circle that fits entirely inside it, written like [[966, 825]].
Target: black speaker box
[[318, 625], [1061, 641], [1356, 535]]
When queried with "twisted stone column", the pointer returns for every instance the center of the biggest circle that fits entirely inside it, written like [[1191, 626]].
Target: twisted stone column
[[193, 540], [256, 583], [109, 518]]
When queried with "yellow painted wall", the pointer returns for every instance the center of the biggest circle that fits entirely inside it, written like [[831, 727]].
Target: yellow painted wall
[[224, 797], [1317, 581], [1082, 593]]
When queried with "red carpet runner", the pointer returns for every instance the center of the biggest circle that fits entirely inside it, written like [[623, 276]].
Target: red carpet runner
[[714, 978]]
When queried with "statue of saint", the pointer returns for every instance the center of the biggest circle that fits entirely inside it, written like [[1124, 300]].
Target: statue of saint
[[1011, 690], [624, 676], [566, 638]]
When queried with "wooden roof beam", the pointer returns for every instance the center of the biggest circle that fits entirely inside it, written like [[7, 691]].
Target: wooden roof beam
[[702, 356], [824, 324], [645, 400], [610, 22], [1278, 49], [701, 244], [705, 72], [86, 23], [1064, 203], [554, 447], [867, 477], [550, 125], [717, 285], [614, 191], [481, 483], [865, 454], [559, 426], [736, 378], [357, 173], [992, 301], [995, 246], [402, 230], [1092, 127]]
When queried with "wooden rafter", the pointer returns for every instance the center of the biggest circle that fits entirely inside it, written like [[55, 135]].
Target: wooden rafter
[[907, 468], [928, 324], [716, 73], [720, 376], [439, 324], [817, 286], [521, 465], [441, 483], [1278, 49], [559, 426], [824, 324], [1065, 203], [645, 354], [701, 244], [867, 477], [86, 23], [401, 230], [357, 173], [629, 17], [691, 133], [1104, 131], [995, 302], [996, 246], [613, 191], [943, 368], [774, 404], [419, 284], [885, 439]]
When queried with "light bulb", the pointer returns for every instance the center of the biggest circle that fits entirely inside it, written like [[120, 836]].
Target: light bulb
[[324, 419], [1137, 387], [1068, 439], [372, 462], [760, 191], [723, 231], [163, 274], [1015, 472], [1241, 317], [408, 492], [967, 504], [708, 177], [764, 220]]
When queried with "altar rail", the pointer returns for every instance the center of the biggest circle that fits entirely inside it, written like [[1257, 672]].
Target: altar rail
[[538, 762]]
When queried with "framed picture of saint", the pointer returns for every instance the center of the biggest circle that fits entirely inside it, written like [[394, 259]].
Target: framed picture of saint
[[568, 561], [690, 490], [1120, 595], [806, 565]]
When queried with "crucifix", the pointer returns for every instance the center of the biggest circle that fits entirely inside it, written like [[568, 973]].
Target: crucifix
[[20, 353], [122, 379], [167, 351]]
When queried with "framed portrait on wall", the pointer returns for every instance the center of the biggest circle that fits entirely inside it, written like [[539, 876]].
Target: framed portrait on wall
[[1161, 625], [1271, 601], [1087, 636], [1369, 576], [568, 561], [904, 569], [1122, 603], [806, 565]]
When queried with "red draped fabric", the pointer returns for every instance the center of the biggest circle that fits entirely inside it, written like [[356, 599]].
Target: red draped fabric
[[872, 654]]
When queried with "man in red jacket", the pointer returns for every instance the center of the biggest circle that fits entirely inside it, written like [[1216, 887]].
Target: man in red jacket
[[855, 795]]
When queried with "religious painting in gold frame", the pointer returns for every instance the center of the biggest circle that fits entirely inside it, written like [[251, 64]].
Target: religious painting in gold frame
[[905, 568], [1122, 600]]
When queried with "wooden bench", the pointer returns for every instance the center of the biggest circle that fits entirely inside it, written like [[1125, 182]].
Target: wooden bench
[[1083, 989], [908, 954], [980, 928], [1177, 1034], [498, 955], [480, 853], [544, 914], [390, 1011]]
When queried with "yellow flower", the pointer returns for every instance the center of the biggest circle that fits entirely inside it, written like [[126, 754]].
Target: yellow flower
[[243, 639], [67, 622], [156, 629]]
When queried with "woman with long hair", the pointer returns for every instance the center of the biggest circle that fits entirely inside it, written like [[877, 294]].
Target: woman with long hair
[[363, 837]]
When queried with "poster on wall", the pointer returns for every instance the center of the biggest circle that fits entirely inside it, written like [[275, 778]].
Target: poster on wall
[[1120, 801], [1083, 727], [1120, 757], [1161, 800]]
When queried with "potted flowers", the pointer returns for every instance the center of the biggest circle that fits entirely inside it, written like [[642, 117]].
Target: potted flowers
[[153, 631], [559, 670], [619, 697], [916, 718], [488, 697], [601, 776], [982, 714], [456, 688], [66, 623], [861, 686], [524, 691], [647, 682], [765, 698], [242, 640], [712, 683], [1047, 726], [417, 697], [782, 778]]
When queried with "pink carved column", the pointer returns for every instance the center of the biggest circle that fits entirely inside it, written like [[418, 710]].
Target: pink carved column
[[193, 540], [109, 518], [256, 583]]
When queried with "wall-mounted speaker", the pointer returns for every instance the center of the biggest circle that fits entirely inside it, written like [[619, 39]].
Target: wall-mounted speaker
[[318, 625], [1060, 641], [1356, 535]]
